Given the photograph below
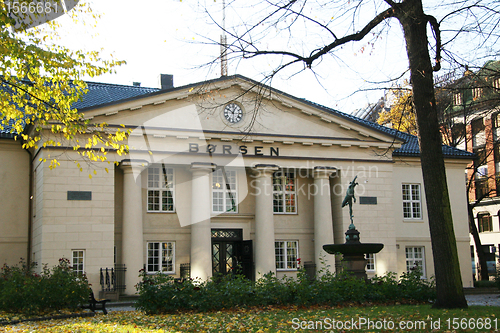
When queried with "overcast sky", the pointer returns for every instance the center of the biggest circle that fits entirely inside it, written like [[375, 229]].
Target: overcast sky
[[169, 37]]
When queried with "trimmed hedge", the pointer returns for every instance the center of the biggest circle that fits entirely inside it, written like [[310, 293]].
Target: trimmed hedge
[[24, 291], [160, 293]]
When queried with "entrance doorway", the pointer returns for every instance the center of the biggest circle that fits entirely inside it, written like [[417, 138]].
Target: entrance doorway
[[231, 254]]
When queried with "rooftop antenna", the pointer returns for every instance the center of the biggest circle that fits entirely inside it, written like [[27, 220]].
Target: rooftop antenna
[[223, 43]]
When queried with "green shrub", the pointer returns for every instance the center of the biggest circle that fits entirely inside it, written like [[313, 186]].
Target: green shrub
[[497, 277], [24, 291], [485, 284], [413, 287], [160, 293]]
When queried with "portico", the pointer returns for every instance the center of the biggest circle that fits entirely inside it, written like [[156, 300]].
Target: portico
[[259, 232]]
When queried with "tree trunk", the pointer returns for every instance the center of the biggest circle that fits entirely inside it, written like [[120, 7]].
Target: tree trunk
[[483, 266], [449, 287]]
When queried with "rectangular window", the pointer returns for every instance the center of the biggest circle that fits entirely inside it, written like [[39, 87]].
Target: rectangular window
[[458, 134], [478, 133], [224, 191], [415, 259], [161, 189], [477, 93], [161, 257], [287, 253], [370, 262], [496, 84], [457, 98], [412, 207], [284, 196], [481, 175], [484, 222], [78, 261]]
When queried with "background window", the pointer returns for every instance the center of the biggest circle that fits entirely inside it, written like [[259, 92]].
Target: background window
[[484, 222], [160, 189], [478, 134], [161, 257], [412, 207], [284, 197], [78, 261], [224, 191], [287, 253], [370, 262], [415, 259]]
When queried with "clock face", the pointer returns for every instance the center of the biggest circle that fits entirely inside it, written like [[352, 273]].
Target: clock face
[[233, 113]]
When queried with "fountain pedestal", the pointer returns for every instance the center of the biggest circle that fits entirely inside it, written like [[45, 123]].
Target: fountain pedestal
[[353, 252], [356, 265]]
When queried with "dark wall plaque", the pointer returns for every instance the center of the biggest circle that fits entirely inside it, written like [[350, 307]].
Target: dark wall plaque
[[367, 200], [79, 195]]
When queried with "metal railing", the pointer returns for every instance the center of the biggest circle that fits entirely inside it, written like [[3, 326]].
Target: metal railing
[[185, 271], [113, 279]]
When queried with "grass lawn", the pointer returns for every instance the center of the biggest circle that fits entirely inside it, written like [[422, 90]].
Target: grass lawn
[[399, 318]]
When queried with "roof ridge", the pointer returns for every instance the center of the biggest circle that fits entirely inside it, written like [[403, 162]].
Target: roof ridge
[[120, 85]]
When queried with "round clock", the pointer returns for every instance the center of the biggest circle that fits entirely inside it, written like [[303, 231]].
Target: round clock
[[233, 113]]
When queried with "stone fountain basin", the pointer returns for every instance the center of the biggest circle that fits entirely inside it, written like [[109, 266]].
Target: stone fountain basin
[[353, 249]]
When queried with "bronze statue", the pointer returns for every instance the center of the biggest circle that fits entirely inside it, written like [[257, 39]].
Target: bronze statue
[[349, 196]]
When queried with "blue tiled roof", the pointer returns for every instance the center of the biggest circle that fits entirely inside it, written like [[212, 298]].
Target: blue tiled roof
[[105, 93], [410, 147], [98, 94]]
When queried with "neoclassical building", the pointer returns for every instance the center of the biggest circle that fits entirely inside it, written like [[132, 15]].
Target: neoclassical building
[[222, 175]]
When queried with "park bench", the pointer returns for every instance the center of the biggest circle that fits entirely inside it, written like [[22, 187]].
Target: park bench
[[95, 304]]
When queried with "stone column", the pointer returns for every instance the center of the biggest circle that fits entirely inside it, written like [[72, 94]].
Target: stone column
[[265, 260], [323, 222], [201, 209], [132, 231]]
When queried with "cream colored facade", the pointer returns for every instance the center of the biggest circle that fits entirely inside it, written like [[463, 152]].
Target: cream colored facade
[[15, 202], [114, 218]]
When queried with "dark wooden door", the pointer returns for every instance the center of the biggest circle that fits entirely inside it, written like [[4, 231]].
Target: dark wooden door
[[231, 254], [224, 257]]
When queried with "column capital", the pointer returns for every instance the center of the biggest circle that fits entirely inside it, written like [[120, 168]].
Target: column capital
[[323, 171], [129, 165], [263, 170], [202, 167]]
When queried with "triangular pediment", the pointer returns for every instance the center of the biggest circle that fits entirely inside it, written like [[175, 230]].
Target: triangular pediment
[[267, 115]]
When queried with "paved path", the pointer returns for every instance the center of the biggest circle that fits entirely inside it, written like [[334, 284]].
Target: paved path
[[483, 299], [479, 299]]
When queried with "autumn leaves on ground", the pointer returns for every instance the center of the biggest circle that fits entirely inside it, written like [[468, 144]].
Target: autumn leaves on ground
[[367, 318], [234, 304]]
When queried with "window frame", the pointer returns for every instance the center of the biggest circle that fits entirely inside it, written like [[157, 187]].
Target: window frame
[[162, 188], [226, 193], [78, 270], [284, 192], [481, 222], [496, 83], [412, 202], [477, 93], [457, 99], [286, 248], [160, 256], [371, 260], [414, 260], [478, 131]]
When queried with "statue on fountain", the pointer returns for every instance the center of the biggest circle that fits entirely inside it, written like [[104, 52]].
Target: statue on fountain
[[349, 196], [353, 250]]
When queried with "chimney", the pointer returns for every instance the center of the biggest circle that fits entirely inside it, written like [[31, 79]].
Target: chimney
[[136, 84], [166, 81]]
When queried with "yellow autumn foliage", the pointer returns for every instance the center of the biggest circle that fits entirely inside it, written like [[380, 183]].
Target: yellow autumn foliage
[[401, 116], [40, 80]]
